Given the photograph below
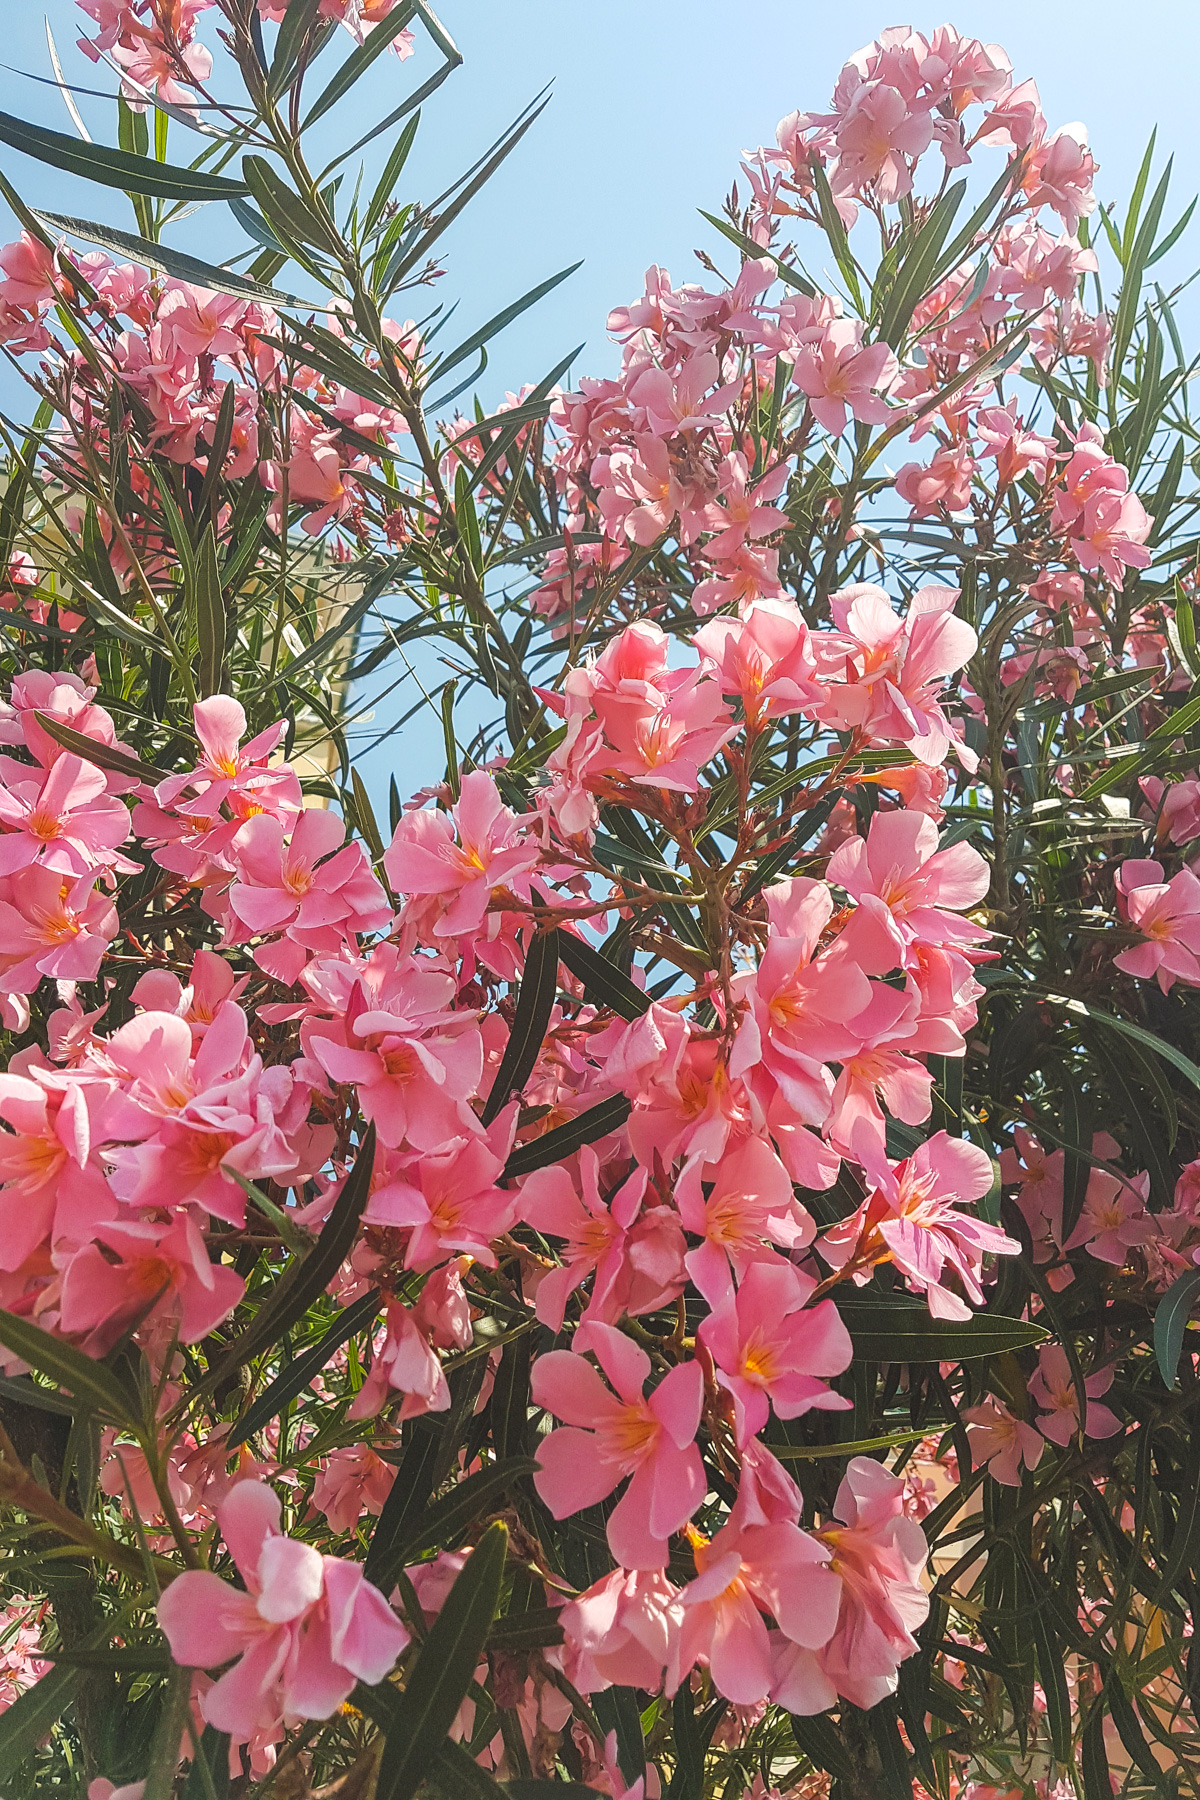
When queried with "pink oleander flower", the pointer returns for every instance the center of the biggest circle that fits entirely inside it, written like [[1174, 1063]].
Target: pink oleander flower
[[750, 1206], [840, 374], [1059, 174], [226, 764], [50, 1186], [62, 818], [944, 481], [1002, 1441], [462, 858], [764, 657], [1114, 1219], [1052, 1386], [777, 1569], [317, 889], [624, 1631], [913, 1217], [163, 1271], [892, 669], [304, 1630], [879, 1554], [609, 1435], [448, 1200], [1167, 914], [407, 1363], [636, 1259], [909, 889], [771, 1347], [352, 1481], [51, 925]]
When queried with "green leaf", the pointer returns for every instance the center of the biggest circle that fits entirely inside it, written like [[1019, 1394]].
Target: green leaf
[[92, 1383], [915, 275], [364, 813], [753, 252], [210, 615], [114, 168], [835, 231], [530, 1630], [1093, 1762], [1147, 1039], [444, 1670], [603, 983], [27, 1392], [392, 171], [535, 1002], [817, 1737], [1171, 1316], [1129, 1729], [855, 1447], [445, 1520], [357, 610], [899, 1332], [32, 1715], [300, 1371], [307, 1278], [293, 223], [466, 521], [1052, 1676], [102, 755], [297, 22], [359, 61], [450, 741], [173, 262], [586, 1128], [495, 325], [405, 1505]]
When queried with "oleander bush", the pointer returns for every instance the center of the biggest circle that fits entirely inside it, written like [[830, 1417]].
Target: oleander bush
[[663, 1268]]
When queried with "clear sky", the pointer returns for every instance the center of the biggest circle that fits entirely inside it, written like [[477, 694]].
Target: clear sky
[[652, 102]]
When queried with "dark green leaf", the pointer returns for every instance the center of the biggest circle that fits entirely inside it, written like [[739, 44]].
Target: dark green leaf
[[487, 332], [526, 1630], [404, 1508], [617, 1710], [818, 1739], [298, 21], [1093, 1762], [1129, 1729], [307, 1278], [1170, 1322], [210, 615], [174, 262], [535, 1002], [564, 1140], [915, 275], [300, 1371], [444, 1670], [92, 1383], [447, 1519], [102, 755], [1052, 1675], [27, 1392], [356, 611], [114, 168], [603, 983], [293, 223], [392, 170], [899, 1332]]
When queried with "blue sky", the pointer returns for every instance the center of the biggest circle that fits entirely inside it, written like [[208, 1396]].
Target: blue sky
[[652, 102]]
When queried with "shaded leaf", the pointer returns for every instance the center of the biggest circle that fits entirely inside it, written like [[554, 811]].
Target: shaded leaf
[[359, 61], [896, 1331], [176, 263], [27, 1722], [1170, 1322], [114, 168], [603, 982], [585, 1128], [535, 1002], [104, 756], [300, 1371], [92, 1383]]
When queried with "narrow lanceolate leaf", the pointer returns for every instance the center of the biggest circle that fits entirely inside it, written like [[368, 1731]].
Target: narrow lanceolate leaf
[[603, 983], [897, 1332], [300, 1372], [92, 1383], [210, 616], [104, 756], [305, 1280], [114, 168], [586, 1128], [1170, 1322], [487, 332], [28, 1721], [444, 1670], [535, 1002], [172, 262], [443, 1523]]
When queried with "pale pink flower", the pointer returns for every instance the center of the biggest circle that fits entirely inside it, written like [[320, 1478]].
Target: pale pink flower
[[1167, 914], [448, 1199], [62, 817], [304, 1630], [944, 481], [353, 1481], [462, 858], [610, 1435], [1113, 1220], [624, 1630], [52, 926], [909, 889], [840, 374], [771, 1347], [1052, 1386], [912, 1216], [1002, 1441], [764, 658], [879, 1555], [162, 1271], [407, 1363], [750, 1206]]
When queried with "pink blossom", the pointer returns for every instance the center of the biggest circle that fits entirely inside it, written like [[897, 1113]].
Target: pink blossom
[[52, 926], [448, 1199], [306, 1628], [839, 374], [1113, 1220], [492, 851], [764, 658], [608, 1436], [315, 888], [750, 1206], [352, 1482], [777, 1569], [163, 1270], [879, 1555], [1167, 915], [407, 1363], [62, 818], [945, 481], [624, 1630], [1052, 1386], [1059, 175], [1002, 1441], [771, 1347], [909, 889], [51, 1188], [912, 1217]]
